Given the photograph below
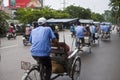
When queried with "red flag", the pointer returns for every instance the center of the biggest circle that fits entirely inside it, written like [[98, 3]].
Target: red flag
[[25, 3]]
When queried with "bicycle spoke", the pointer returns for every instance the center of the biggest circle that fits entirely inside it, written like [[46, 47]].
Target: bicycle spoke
[[76, 70], [33, 75]]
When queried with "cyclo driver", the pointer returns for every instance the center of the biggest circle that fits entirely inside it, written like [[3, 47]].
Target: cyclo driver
[[80, 32], [105, 29], [27, 31], [40, 38]]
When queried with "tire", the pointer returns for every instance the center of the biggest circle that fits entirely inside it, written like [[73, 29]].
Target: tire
[[98, 42], [76, 69], [24, 43], [102, 37], [90, 49], [110, 36], [8, 38], [14, 36], [32, 74]]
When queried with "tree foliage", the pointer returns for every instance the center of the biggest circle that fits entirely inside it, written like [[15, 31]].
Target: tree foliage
[[82, 13], [78, 12], [3, 22], [115, 8], [97, 17], [28, 15]]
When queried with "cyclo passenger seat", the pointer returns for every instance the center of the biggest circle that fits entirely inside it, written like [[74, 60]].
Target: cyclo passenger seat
[[59, 58], [58, 53]]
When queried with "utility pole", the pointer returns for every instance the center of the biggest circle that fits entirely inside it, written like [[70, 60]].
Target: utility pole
[[1, 5], [64, 4], [41, 2]]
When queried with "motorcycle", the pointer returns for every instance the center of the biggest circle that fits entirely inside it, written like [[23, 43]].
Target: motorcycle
[[11, 35], [25, 40]]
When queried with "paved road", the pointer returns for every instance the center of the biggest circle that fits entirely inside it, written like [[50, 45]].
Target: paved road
[[102, 64]]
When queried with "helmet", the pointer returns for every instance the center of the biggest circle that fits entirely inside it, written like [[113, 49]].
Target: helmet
[[42, 21], [12, 24]]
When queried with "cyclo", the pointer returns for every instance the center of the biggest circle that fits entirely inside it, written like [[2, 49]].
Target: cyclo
[[105, 31], [62, 64]]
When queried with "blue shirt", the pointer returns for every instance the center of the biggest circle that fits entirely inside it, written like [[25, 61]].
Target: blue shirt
[[79, 30], [40, 39], [92, 29], [105, 28], [72, 29]]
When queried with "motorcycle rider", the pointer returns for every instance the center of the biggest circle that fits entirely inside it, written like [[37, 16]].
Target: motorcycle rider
[[11, 31], [72, 30], [27, 31]]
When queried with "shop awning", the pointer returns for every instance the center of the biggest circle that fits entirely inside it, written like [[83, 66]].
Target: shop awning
[[86, 21], [61, 20]]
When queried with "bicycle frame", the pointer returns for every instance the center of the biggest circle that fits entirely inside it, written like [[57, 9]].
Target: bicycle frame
[[74, 53]]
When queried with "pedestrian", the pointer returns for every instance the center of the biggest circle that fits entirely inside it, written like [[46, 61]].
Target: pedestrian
[[56, 35], [88, 33], [72, 30], [56, 27], [93, 31]]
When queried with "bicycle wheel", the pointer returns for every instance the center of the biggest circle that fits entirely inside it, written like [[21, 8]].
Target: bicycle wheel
[[32, 74], [76, 68], [90, 49], [98, 41], [24, 42]]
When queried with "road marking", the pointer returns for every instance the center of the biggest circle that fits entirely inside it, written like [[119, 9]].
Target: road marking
[[8, 47]]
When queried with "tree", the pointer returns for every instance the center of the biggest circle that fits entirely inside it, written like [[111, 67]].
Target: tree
[[3, 22], [78, 12], [82, 13], [115, 8], [28, 15], [97, 17]]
